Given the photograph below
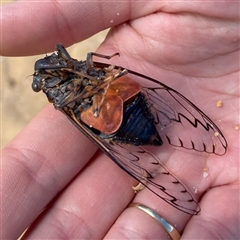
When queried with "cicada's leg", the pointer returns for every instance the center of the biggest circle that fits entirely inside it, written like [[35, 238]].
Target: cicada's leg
[[62, 52], [89, 61]]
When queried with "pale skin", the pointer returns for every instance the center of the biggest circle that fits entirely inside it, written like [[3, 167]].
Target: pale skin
[[191, 46]]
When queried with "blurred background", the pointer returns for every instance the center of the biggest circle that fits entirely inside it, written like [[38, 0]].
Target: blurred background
[[18, 103]]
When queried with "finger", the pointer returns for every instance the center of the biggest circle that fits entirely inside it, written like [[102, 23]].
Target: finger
[[37, 165], [66, 22], [89, 206]]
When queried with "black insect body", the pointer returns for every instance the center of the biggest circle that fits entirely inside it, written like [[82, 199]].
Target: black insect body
[[138, 126], [123, 118]]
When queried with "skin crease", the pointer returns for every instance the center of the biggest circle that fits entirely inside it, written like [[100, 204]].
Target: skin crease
[[192, 47]]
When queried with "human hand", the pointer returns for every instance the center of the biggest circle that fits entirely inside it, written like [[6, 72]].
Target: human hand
[[183, 45]]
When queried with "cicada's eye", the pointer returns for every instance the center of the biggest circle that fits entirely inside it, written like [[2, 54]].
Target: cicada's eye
[[35, 87], [37, 83]]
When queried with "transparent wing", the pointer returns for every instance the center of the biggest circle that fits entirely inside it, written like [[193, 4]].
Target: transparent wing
[[179, 121], [181, 124], [146, 167]]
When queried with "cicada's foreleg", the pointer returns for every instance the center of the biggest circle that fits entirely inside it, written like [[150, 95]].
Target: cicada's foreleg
[[89, 61], [62, 52]]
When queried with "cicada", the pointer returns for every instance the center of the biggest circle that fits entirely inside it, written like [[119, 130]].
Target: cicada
[[129, 116]]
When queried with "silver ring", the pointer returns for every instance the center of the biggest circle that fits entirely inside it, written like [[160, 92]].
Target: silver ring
[[171, 230]]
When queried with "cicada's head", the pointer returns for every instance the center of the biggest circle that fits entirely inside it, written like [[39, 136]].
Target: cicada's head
[[37, 83], [45, 72]]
